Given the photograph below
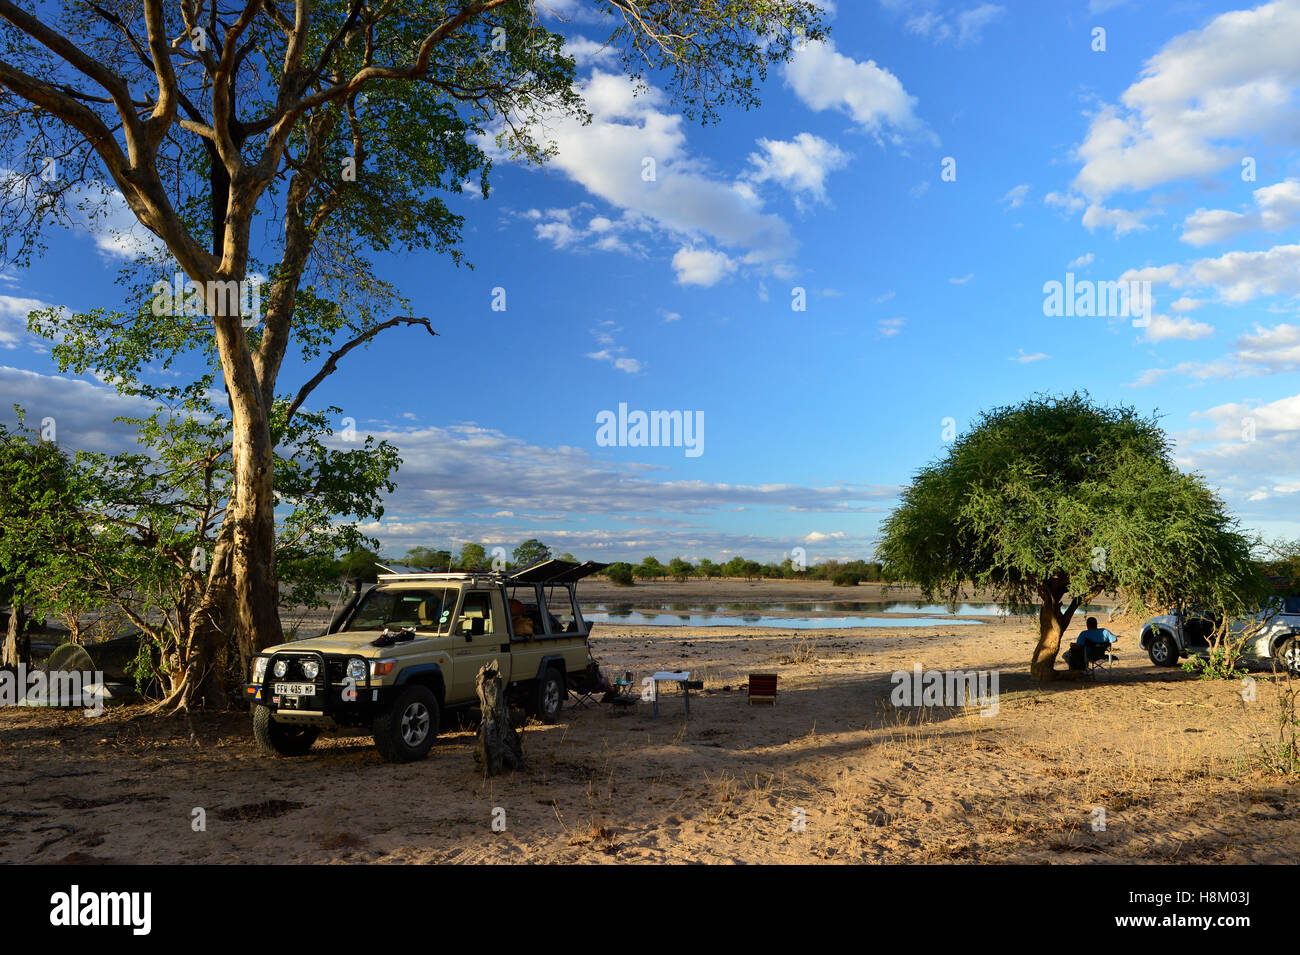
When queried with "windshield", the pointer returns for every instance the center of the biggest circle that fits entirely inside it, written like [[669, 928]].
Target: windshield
[[428, 610]]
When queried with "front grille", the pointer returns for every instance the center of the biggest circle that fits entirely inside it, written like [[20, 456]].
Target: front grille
[[294, 674]]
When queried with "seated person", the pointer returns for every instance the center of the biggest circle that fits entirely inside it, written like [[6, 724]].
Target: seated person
[[1094, 635]]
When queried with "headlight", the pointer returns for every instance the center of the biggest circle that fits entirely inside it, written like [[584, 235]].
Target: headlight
[[310, 669], [280, 669], [259, 669], [357, 669]]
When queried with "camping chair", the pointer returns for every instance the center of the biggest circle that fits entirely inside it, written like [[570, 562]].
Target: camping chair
[[1093, 659], [586, 686], [762, 688]]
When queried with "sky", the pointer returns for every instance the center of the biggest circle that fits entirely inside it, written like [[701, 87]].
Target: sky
[[828, 288]]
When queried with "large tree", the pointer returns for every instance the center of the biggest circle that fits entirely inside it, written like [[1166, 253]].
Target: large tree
[[1056, 500], [327, 129], [133, 532]]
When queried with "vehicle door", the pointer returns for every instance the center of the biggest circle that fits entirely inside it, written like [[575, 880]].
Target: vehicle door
[[480, 636]]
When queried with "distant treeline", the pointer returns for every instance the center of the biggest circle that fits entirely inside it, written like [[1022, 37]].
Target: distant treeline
[[364, 563], [842, 574]]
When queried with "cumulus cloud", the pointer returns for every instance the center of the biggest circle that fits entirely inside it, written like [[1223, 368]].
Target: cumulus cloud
[[823, 78], [634, 156], [1161, 328], [1196, 99], [1277, 207], [702, 266], [801, 165]]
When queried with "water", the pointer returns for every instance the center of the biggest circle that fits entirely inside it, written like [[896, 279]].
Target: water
[[766, 620], [751, 615]]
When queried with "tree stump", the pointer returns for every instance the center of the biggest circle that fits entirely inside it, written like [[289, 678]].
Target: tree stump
[[500, 747]]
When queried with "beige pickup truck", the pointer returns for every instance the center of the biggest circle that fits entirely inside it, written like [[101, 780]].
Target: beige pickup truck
[[403, 651]]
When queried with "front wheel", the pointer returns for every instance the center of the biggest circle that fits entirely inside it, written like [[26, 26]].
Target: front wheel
[[277, 739], [551, 692], [1287, 655], [405, 731], [1162, 650]]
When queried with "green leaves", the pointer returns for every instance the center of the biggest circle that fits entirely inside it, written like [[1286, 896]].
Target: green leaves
[[1058, 495]]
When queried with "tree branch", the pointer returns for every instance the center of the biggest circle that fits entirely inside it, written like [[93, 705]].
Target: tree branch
[[331, 363]]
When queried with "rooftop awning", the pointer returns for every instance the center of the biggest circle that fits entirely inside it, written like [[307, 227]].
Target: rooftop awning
[[554, 571]]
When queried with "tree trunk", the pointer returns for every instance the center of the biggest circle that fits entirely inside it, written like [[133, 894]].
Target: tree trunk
[[499, 747], [1052, 624], [13, 651], [1050, 630], [251, 511]]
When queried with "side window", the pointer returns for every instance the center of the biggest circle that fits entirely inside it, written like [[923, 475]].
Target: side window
[[477, 606], [559, 604]]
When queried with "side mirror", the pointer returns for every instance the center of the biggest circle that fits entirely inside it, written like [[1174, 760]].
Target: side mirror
[[472, 627]]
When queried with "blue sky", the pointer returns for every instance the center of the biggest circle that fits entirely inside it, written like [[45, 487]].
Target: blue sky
[[924, 293]]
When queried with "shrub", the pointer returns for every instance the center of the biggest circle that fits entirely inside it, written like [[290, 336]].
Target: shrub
[[620, 573], [845, 578]]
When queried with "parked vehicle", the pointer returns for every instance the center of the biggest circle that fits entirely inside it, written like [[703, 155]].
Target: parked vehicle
[[409, 648], [1272, 636]]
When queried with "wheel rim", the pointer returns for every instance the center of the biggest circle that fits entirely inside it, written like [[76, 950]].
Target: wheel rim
[[415, 724], [1160, 650], [1291, 657], [551, 699]]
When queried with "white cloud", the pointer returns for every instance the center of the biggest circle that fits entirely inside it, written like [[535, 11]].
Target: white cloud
[[1121, 221], [960, 28], [1025, 359], [1277, 207], [587, 52], [800, 165], [1081, 262], [1195, 101], [962, 279], [889, 327], [824, 78], [633, 155], [1242, 276], [816, 537], [13, 319], [1016, 196], [1162, 328], [701, 266], [1068, 202], [83, 411]]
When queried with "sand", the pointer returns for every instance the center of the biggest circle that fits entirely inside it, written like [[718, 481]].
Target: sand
[[1151, 765]]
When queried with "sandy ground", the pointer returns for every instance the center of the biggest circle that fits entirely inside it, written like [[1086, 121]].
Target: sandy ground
[[1169, 761]]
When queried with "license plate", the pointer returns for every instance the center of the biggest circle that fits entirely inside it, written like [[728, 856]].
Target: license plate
[[295, 689]]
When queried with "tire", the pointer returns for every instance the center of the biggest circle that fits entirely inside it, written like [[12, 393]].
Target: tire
[[551, 693], [277, 739], [1287, 655], [1162, 650], [405, 731]]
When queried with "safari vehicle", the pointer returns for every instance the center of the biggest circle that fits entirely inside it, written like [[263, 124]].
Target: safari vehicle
[[406, 649], [1272, 636]]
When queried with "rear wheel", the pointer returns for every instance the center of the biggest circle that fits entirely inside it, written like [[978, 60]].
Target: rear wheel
[[405, 731], [1162, 650], [551, 692], [1287, 654], [278, 739]]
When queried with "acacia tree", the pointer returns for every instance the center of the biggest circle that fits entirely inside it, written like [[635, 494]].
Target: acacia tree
[[337, 123], [1056, 500]]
